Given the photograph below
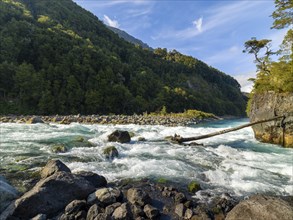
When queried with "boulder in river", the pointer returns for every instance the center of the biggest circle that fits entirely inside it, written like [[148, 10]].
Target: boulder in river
[[119, 136], [7, 193], [34, 120], [49, 196], [110, 152], [261, 208]]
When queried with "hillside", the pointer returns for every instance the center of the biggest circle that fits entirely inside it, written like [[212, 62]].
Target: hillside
[[58, 58], [129, 38]]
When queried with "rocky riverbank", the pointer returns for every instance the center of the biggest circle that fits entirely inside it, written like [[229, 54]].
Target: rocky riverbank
[[107, 119], [60, 194]]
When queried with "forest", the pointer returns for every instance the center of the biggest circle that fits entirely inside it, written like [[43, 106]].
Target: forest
[[57, 58]]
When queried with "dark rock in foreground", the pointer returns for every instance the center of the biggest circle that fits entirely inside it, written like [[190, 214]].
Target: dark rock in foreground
[[7, 193], [262, 208], [49, 196]]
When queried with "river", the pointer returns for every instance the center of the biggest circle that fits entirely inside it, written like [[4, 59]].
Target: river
[[235, 162]]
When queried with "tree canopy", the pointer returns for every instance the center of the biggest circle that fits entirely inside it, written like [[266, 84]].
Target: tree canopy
[[57, 58], [274, 75]]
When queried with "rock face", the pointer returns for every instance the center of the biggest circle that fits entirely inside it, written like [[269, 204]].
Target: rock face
[[52, 167], [49, 196], [268, 105], [7, 193], [261, 208]]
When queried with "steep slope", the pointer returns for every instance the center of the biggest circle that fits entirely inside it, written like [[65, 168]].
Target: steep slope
[[58, 58], [129, 38]]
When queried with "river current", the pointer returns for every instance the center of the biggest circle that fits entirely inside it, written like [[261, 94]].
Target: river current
[[234, 162]]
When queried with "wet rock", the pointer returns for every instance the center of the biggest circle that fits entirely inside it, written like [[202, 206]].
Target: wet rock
[[103, 216], [151, 212], [141, 139], [119, 136], [34, 120], [123, 212], [93, 212], [180, 210], [193, 187], [105, 196], [110, 152], [49, 196], [137, 211], [59, 148], [262, 208], [7, 193], [75, 206], [95, 179], [188, 214], [138, 197], [111, 208], [52, 167], [179, 197]]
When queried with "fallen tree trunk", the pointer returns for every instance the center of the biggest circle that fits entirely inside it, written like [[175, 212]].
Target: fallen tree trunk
[[179, 139]]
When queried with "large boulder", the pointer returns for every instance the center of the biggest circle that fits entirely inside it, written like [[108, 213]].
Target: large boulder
[[268, 105], [49, 196], [119, 136], [52, 167], [261, 208], [7, 193]]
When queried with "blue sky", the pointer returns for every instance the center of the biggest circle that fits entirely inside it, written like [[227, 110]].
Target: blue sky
[[212, 31]]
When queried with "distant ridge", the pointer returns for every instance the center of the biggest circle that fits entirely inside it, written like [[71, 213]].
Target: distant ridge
[[129, 38]]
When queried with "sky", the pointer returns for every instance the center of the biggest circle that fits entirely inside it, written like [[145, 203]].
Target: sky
[[212, 31]]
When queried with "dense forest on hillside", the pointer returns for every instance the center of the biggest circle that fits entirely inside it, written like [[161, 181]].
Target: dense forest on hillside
[[56, 57]]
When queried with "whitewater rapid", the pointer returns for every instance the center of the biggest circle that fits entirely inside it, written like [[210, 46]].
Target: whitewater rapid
[[235, 162]]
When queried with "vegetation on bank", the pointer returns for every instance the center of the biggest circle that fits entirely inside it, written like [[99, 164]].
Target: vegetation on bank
[[274, 76], [57, 58], [190, 113]]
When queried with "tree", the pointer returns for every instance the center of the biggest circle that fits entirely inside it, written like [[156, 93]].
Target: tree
[[254, 47], [283, 14]]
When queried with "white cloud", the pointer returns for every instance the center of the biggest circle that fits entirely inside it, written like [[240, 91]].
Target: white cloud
[[216, 18], [108, 21], [246, 86], [198, 24]]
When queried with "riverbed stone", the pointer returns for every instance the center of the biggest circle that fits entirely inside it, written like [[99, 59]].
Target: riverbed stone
[[49, 196], [110, 152], [52, 167], [261, 208], [151, 212], [105, 196], [7, 193], [180, 210], [137, 196], [93, 212], [122, 212], [119, 136]]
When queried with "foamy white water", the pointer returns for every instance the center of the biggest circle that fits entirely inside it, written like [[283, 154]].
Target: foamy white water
[[234, 162]]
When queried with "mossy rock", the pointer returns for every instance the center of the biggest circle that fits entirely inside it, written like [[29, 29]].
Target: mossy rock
[[162, 180], [193, 187], [59, 148], [79, 139], [110, 152], [131, 134]]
